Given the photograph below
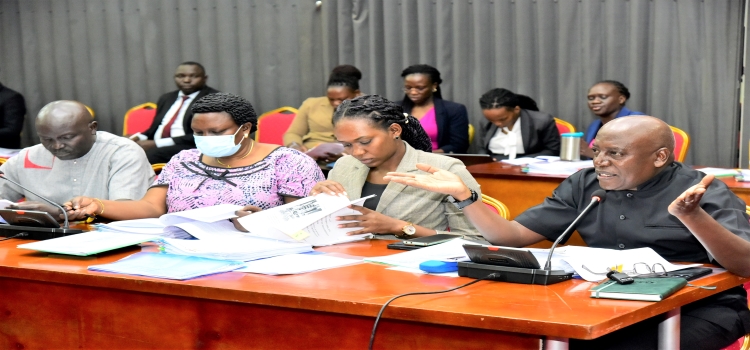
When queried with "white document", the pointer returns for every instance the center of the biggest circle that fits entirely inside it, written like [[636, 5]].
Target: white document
[[559, 168], [522, 161], [87, 243], [310, 220], [597, 260], [453, 249], [242, 249], [296, 263], [223, 229], [206, 214]]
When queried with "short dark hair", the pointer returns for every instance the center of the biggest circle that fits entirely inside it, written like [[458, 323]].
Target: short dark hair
[[498, 97], [428, 70], [343, 80], [347, 69], [621, 88], [240, 109], [382, 113], [191, 63]]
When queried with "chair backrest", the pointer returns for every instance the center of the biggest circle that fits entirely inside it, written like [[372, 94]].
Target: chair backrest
[[496, 205], [2, 160], [272, 125], [157, 167], [139, 118], [91, 111], [471, 133], [564, 127], [681, 144]]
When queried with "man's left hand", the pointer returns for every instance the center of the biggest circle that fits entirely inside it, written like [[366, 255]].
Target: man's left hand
[[39, 206], [370, 221], [689, 201]]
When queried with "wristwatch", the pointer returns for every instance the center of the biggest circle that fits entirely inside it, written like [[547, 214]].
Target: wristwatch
[[408, 230], [464, 203]]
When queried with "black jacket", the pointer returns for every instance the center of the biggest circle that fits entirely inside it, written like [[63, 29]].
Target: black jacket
[[162, 106], [12, 113], [539, 133], [453, 124]]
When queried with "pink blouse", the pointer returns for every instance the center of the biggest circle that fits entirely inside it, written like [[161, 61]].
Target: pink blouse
[[429, 123]]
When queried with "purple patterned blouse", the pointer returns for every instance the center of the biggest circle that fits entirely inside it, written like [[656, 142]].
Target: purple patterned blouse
[[193, 184]]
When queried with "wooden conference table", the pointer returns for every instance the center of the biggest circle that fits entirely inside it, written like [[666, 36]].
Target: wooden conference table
[[52, 301], [520, 191]]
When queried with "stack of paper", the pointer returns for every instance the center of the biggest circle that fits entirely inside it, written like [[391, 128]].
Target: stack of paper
[[296, 263], [719, 172], [170, 266], [239, 248], [559, 168], [87, 243], [311, 220], [207, 222]]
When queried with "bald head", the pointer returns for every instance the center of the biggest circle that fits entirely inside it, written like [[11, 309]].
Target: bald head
[[631, 150], [66, 129]]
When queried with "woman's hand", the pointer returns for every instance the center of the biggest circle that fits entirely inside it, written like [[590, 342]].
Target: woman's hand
[[689, 201], [440, 181], [81, 208], [370, 222], [328, 186], [245, 211]]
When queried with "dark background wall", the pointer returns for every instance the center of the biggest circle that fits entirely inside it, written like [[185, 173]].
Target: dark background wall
[[680, 59]]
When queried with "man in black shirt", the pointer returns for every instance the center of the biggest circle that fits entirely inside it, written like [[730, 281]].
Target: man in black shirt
[[652, 201]]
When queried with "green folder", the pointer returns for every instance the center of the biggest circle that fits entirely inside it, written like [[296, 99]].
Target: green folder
[[645, 289]]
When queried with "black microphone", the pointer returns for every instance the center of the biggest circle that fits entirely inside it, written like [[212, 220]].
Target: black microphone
[[597, 197], [516, 266], [66, 226]]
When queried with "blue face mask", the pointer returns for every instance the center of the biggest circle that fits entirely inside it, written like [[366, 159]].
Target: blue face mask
[[218, 146]]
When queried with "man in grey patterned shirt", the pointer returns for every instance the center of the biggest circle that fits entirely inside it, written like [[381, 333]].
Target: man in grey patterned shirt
[[74, 159]]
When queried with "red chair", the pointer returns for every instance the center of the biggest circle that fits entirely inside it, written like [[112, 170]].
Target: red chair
[[139, 118], [272, 125], [564, 127], [681, 144]]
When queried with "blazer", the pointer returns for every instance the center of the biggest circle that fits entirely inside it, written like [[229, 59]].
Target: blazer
[[162, 106], [421, 207], [12, 114], [539, 133], [313, 124], [452, 122]]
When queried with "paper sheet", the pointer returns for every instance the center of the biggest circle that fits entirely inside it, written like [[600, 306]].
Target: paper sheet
[[87, 243], [411, 259], [296, 264], [599, 259]]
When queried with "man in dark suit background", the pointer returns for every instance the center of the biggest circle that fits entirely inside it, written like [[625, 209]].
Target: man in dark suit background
[[170, 131], [514, 132], [12, 113]]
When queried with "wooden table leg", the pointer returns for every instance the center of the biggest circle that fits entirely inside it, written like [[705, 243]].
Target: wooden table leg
[[669, 331]]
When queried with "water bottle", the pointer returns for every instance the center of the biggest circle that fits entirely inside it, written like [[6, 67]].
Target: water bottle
[[571, 146]]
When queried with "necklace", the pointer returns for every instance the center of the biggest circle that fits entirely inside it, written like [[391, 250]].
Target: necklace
[[243, 157]]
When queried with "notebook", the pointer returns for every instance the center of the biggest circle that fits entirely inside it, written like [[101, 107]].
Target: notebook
[[645, 289]]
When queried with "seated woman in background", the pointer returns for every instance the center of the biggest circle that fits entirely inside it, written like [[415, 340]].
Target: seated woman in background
[[607, 100], [312, 125], [446, 122], [515, 132], [227, 167], [380, 138]]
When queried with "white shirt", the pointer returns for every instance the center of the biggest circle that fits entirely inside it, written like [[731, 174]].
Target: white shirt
[[508, 142], [176, 129]]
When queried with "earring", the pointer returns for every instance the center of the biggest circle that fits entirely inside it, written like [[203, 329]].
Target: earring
[[247, 136], [434, 90], [396, 138]]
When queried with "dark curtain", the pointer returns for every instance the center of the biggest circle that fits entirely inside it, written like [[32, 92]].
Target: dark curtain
[[680, 59]]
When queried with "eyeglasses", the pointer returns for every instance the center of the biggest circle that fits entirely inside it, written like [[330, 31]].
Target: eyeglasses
[[640, 269]]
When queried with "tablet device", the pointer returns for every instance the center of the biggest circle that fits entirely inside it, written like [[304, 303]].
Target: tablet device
[[28, 218], [492, 255], [401, 246], [471, 159]]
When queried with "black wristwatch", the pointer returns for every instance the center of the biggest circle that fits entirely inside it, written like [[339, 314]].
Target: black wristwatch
[[466, 202]]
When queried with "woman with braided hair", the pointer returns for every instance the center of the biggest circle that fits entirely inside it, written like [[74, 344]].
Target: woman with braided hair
[[446, 122], [380, 138], [227, 167], [606, 99]]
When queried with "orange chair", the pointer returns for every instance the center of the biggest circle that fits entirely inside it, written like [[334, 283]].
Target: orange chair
[[564, 127], [496, 205], [157, 167], [272, 125], [471, 133], [2, 160], [681, 144], [139, 118]]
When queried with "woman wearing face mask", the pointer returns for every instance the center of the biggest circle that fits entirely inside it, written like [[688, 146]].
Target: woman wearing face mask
[[227, 167], [379, 138], [446, 122]]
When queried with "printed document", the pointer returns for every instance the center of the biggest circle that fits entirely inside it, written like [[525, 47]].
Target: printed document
[[296, 264]]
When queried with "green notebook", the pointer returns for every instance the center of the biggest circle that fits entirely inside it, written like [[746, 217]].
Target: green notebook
[[646, 289]]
